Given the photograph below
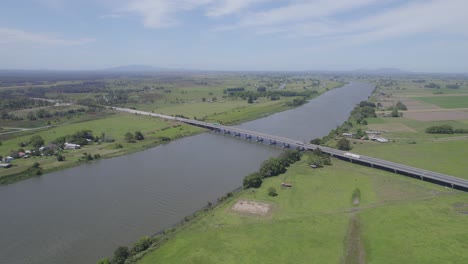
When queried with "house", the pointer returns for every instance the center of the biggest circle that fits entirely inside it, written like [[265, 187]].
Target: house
[[71, 146], [8, 159], [21, 154], [382, 140], [5, 165], [313, 166], [373, 132], [347, 135]]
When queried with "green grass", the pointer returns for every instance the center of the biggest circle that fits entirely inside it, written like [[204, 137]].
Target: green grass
[[446, 101], [427, 231], [310, 220], [114, 126]]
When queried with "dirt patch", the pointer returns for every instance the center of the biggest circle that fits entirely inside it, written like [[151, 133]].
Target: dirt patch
[[461, 208], [391, 127], [354, 247], [412, 104], [437, 115], [252, 208]]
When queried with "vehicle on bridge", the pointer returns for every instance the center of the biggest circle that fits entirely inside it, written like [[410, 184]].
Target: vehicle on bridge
[[352, 155]]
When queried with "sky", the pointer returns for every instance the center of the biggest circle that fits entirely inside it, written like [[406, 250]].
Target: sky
[[261, 35]]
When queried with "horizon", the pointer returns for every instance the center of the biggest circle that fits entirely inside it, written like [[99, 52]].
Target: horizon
[[233, 36]]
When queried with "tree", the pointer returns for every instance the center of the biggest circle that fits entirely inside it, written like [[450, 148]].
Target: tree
[[129, 137], [401, 106], [316, 141], [139, 135], [272, 191], [120, 255], [343, 144], [60, 157], [36, 141], [203, 99], [364, 122], [395, 113], [250, 100], [252, 180], [30, 115], [142, 244], [103, 261]]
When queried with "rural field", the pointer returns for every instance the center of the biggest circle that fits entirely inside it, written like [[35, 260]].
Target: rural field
[[60, 109], [317, 221], [409, 143]]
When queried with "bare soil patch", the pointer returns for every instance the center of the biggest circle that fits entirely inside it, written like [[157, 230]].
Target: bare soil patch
[[461, 208], [252, 208], [437, 115], [391, 127], [354, 247], [417, 105]]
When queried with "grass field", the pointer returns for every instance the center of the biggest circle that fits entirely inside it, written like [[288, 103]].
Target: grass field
[[445, 153], [446, 101], [310, 221], [114, 126]]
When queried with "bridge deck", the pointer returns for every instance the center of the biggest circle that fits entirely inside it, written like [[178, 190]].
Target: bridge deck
[[454, 182]]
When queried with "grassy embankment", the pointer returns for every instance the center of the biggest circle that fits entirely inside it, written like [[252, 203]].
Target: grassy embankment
[[398, 220]]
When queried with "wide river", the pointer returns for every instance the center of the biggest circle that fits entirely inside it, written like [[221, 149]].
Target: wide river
[[82, 214]]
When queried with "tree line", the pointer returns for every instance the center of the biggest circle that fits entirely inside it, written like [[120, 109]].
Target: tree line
[[272, 167], [445, 129]]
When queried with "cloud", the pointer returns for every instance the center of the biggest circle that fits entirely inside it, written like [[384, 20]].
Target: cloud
[[160, 13], [229, 7], [15, 36], [165, 13], [334, 21]]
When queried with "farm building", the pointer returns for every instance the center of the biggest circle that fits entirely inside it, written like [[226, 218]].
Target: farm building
[[381, 140], [347, 135], [71, 146]]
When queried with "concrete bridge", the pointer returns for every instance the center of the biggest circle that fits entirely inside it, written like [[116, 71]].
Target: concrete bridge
[[426, 175]]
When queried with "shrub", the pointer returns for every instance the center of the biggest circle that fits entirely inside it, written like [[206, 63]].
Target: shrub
[[272, 191], [60, 157], [343, 144], [443, 129], [141, 245]]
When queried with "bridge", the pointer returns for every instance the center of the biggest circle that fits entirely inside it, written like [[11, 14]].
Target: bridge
[[425, 175]]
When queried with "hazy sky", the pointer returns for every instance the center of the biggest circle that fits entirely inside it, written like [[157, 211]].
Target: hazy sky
[[235, 34]]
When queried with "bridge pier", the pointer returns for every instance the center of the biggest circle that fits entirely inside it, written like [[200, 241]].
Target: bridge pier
[[248, 136], [259, 139], [272, 142]]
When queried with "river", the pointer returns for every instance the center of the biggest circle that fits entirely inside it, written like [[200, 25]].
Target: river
[[82, 214]]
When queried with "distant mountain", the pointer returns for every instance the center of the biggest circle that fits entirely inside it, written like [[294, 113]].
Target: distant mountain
[[136, 68], [384, 71]]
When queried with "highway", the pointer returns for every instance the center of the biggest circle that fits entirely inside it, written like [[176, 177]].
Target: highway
[[427, 175]]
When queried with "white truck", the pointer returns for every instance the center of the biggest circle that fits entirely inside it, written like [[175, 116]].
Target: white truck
[[352, 155]]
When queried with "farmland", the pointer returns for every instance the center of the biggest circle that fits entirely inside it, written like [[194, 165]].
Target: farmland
[[310, 222], [66, 107]]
